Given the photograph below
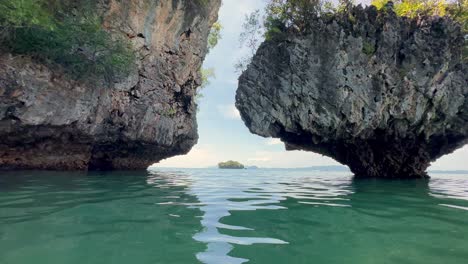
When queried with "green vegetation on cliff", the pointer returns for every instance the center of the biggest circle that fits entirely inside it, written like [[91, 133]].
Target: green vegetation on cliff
[[298, 14], [230, 164], [66, 33], [215, 35], [283, 16], [206, 75], [209, 73], [457, 10]]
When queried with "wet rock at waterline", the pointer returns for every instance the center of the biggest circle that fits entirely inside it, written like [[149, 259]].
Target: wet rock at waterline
[[382, 94], [50, 121]]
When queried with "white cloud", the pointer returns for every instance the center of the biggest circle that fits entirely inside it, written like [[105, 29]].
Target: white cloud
[[209, 155], [458, 160], [229, 111], [199, 157], [273, 141], [203, 156], [260, 159], [289, 159]]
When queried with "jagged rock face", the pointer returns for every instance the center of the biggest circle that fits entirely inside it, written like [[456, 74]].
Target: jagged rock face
[[382, 94], [48, 121]]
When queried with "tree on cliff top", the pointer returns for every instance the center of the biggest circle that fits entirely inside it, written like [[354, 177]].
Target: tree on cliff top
[[457, 10], [279, 17], [283, 16]]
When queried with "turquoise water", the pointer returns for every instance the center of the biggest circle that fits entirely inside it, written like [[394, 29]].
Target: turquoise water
[[230, 216]]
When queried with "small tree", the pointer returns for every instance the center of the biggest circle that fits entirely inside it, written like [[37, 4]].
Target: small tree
[[251, 36], [215, 35], [206, 75], [280, 16]]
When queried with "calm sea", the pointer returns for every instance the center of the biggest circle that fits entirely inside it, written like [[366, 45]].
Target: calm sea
[[231, 216]]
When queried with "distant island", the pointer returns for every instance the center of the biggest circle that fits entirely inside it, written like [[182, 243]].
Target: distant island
[[230, 164]]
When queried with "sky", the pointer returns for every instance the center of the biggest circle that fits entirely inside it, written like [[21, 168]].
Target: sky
[[223, 135]]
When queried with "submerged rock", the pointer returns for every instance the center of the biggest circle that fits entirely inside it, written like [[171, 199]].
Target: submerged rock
[[383, 94], [48, 121]]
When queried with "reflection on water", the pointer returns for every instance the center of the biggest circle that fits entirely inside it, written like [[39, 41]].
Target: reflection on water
[[265, 191], [229, 216], [456, 189], [221, 194]]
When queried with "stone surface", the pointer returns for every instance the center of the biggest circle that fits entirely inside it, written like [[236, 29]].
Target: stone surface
[[382, 94], [48, 121]]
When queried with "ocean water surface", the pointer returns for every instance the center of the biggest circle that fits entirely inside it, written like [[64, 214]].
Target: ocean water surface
[[230, 216]]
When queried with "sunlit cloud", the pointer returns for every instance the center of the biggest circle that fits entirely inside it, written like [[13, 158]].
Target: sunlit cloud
[[260, 159], [229, 111], [200, 156], [274, 141], [456, 161], [289, 159]]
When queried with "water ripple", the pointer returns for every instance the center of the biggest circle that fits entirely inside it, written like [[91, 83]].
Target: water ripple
[[219, 197], [215, 216], [451, 188]]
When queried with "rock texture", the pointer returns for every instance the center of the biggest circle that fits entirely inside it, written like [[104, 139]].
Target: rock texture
[[48, 121], [382, 94]]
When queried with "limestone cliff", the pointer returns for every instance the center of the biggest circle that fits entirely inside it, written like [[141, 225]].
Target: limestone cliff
[[383, 94], [49, 121]]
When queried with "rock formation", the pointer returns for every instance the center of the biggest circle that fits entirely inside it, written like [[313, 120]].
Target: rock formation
[[48, 121], [383, 94]]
